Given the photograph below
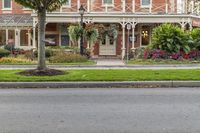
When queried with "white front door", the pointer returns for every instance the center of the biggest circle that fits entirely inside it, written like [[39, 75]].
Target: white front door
[[107, 47]]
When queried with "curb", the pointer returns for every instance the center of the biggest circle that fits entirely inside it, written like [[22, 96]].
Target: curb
[[126, 84]]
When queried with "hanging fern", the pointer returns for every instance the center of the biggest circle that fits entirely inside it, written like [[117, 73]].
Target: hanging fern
[[75, 33], [91, 34], [111, 31]]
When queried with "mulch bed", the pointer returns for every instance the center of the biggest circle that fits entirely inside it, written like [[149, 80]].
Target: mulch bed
[[45, 72]]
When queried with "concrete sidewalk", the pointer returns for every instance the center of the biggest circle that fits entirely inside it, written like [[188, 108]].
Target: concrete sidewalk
[[68, 67]]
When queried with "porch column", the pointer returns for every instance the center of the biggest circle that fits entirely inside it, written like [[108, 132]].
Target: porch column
[[29, 38], [190, 26], [34, 38], [88, 45], [16, 38], [19, 39], [7, 36], [133, 37], [123, 40], [183, 25]]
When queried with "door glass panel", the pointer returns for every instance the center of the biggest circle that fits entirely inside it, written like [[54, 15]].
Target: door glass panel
[[111, 42], [103, 42]]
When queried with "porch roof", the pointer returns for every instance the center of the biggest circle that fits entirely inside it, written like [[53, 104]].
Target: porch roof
[[118, 18], [19, 20]]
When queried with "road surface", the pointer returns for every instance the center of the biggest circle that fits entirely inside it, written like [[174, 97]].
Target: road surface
[[165, 110]]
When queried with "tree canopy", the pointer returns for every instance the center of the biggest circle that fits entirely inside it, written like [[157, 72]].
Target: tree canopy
[[38, 5]]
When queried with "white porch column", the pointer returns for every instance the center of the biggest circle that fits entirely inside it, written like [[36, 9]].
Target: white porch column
[[88, 45], [34, 34], [133, 6], [16, 38], [191, 28], [29, 38], [34, 38], [183, 24], [123, 39], [19, 37], [7, 36], [60, 34], [133, 37]]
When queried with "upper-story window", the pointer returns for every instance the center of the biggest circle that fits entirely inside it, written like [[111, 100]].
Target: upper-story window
[[108, 2], [145, 3], [67, 4], [7, 4]]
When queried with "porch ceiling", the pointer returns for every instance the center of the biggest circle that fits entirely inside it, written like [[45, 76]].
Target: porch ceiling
[[8, 20]]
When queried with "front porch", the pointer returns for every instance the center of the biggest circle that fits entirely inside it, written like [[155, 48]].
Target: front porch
[[140, 28]]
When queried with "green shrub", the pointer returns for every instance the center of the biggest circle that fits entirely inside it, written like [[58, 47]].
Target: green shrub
[[4, 53], [170, 38], [48, 53], [13, 60], [137, 54], [9, 47], [195, 34], [62, 57]]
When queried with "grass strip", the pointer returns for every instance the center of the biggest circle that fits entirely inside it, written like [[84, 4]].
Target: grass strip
[[105, 75]]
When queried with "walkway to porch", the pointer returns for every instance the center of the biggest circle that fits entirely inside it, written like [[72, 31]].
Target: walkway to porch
[[110, 62]]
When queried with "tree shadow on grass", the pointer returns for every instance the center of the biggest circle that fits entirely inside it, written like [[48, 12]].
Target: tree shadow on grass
[[45, 72]]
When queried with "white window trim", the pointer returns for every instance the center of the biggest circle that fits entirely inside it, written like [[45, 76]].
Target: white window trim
[[109, 5], [145, 6], [68, 6], [3, 8]]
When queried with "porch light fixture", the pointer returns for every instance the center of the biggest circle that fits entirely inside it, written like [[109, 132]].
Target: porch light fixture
[[81, 12], [145, 33]]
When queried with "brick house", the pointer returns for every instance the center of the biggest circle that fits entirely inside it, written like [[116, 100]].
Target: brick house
[[134, 20]]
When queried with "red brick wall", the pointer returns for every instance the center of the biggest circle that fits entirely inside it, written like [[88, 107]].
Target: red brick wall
[[16, 9]]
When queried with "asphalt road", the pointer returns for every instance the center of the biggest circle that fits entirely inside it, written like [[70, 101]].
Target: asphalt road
[[172, 110]]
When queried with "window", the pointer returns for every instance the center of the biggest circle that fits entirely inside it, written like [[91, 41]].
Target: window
[[109, 2], [145, 3], [68, 3], [7, 4]]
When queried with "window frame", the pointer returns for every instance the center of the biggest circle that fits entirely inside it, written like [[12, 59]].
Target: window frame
[[104, 4], [145, 6], [5, 8], [67, 5]]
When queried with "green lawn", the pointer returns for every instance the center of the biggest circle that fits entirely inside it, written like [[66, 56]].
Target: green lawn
[[154, 62], [106, 75]]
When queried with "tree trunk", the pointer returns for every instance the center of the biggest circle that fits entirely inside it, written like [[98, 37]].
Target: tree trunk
[[41, 38]]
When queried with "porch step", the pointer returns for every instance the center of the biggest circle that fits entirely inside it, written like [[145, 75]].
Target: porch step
[[108, 57]]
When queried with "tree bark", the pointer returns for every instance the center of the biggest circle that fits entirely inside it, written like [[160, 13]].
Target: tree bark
[[41, 38]]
